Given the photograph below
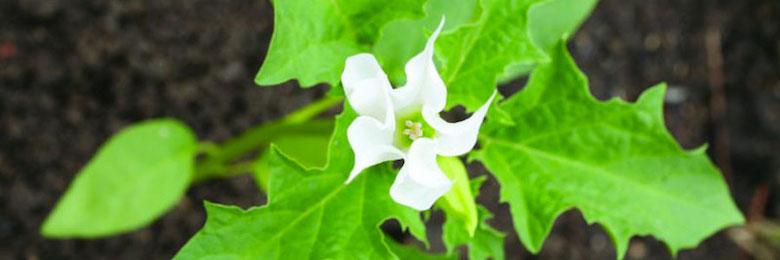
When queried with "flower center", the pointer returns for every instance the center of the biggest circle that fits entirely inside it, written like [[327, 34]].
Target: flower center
[[413, 129], [409, 128]]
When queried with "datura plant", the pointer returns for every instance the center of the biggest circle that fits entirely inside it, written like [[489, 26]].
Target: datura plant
[[331, 182]]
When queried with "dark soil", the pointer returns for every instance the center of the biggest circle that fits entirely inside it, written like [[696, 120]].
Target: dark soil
[[74, 72]]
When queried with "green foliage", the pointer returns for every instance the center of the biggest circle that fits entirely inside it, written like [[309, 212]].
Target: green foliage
[[309, 150], [545, 31], [508, 40], [135, 177], [484, 42], [310, 213], [402, 39], [552, 147], [474, 56], [549, 22], [613, 161], [486, 243], [483, 242], [459, 201], [313, 38], [412, 252]]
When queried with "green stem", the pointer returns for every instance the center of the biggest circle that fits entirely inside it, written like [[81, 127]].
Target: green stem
[[309, 111], [218, 158]]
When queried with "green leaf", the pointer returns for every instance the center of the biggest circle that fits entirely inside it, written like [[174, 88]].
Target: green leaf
[[484, 42], [402, 39], [135, 177], [310, 213], [412, 252], [550, 21], [612, 160], [309, 150], [312, 39], [486, 243], [483, 242], [546, 32], [474, 56], [508, 41]]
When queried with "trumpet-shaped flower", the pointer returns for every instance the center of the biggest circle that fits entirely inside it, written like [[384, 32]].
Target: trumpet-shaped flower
[[404, 123]]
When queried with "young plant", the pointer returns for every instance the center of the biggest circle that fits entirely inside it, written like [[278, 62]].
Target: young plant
[[331, 182]]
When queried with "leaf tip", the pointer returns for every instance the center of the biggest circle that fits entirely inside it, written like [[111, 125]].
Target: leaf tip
[[277, 155], [47, 229], [654, 94], [263, 80]]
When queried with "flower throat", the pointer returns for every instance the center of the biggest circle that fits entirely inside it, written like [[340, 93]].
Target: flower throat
[[411, 128]]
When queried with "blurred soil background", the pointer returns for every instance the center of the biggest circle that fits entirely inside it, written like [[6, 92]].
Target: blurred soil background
[[74, 72]]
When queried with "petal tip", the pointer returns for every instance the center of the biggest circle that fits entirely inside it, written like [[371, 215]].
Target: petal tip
[[400, 199], [352, 175], [441, 23]]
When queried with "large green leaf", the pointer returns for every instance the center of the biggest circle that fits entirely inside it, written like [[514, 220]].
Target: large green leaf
[[310, 213], [312, 39], [613, 161], [135, 177], [484, 42], [474, 56]]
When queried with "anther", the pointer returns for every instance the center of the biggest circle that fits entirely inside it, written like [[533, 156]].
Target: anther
[[413, 129]]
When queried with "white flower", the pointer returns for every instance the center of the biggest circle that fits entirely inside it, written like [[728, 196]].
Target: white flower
[[404, 123]]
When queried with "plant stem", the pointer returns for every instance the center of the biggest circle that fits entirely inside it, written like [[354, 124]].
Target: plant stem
[[217, 160], [309, 111]]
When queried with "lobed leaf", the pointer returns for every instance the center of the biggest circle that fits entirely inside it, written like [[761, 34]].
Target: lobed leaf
[[508, 40], [312, 39], [310, 213], [474, 56], [613, 161], [484, 42]]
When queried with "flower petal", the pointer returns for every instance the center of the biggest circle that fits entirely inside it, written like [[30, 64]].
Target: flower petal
[[420, 182], [366, 86], [372, 142], [453, 139], [424, 85]]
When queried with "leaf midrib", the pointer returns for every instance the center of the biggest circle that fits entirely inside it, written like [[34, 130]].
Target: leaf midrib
[[616, 177]]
